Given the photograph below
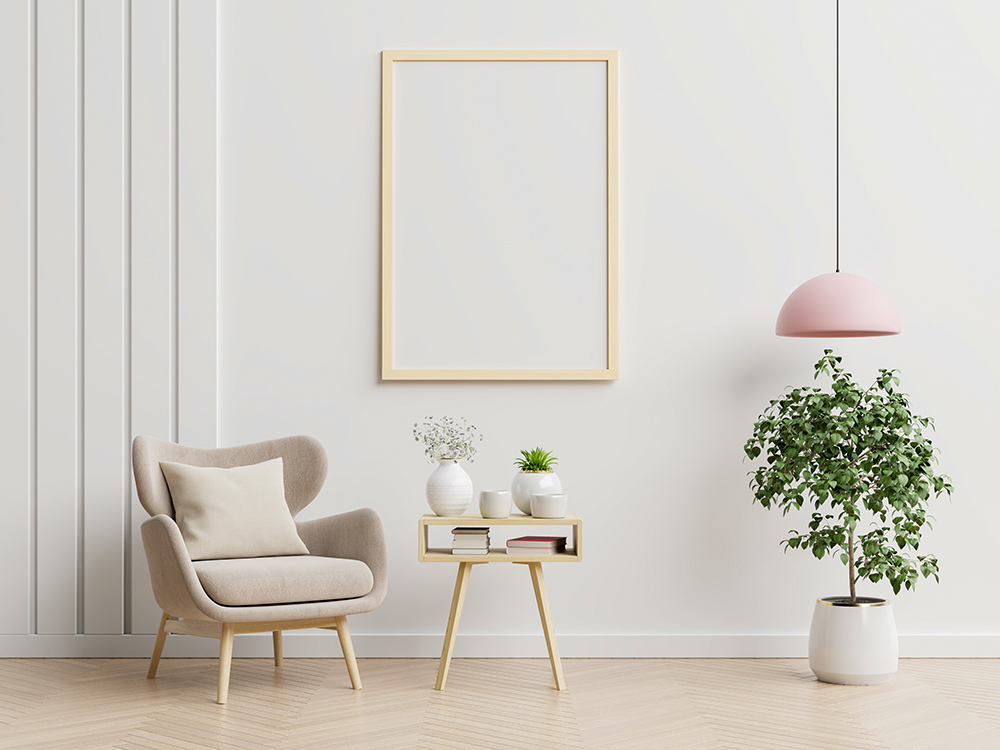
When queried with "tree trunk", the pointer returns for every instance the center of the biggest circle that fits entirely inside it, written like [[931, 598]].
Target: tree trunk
[[850, 565]]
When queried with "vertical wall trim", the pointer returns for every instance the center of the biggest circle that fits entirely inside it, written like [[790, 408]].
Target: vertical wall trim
[[58, 235], [33, 323], [15, 317], [152, 225], [197, 271], [218, 223], [80, 323], [127, 313], [104, 310], [174, 225]]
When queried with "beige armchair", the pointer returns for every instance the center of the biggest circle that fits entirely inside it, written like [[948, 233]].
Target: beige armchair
[[223, 598]]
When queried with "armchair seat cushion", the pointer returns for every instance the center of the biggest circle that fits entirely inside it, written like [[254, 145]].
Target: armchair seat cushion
[[256, 581]]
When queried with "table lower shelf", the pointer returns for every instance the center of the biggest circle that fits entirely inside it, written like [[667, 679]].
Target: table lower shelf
[[444, 554]]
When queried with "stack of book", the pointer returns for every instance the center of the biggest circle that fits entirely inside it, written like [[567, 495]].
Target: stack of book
[[536, 545], [470, 540]]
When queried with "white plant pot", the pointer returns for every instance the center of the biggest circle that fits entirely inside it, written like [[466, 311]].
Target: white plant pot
[[853, 644], [494, 503], [528, 483], [549, 506], [449, 489]]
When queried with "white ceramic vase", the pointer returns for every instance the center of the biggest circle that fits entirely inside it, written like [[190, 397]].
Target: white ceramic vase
[[449, 488], [528, 483], [853, 644]]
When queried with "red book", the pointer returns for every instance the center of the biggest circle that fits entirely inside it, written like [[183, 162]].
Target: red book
[[537, 542]]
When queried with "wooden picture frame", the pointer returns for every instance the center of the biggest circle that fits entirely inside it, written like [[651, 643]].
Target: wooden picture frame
[[499, 215]]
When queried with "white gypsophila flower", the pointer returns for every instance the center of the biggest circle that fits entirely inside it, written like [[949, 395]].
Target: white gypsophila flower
[[447, 438]]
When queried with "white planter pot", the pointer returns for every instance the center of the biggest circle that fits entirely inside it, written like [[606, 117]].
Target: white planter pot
[[549, 506], [449, 489], [528, 483], [853, 644], [494, 503]]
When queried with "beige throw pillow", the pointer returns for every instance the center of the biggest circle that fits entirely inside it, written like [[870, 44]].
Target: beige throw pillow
[[238, 512]]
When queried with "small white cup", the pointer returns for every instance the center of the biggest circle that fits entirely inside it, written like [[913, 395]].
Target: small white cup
[[494, 503], [549, 506]]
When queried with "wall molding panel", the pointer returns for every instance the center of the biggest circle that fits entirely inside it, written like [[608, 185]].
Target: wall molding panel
[[197, 194], [59, 379], [105, 244], [154, 237], [107, 296], [17, 289]]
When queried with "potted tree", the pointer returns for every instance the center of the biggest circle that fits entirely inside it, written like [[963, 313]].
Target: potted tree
[[860, 459]]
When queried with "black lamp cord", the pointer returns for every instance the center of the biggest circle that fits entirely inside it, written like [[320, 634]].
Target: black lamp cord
[[837, 235]]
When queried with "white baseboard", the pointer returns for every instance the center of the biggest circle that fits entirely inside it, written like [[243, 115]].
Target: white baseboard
[[314, 644]]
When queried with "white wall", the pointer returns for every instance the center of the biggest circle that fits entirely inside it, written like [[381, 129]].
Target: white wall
[[727, 199]]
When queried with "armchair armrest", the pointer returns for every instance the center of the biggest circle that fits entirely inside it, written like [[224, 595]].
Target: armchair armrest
[[356, 535], [176, 587]]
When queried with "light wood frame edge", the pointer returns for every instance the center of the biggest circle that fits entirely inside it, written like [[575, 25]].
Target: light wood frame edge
[[387, 213], [610, 57]]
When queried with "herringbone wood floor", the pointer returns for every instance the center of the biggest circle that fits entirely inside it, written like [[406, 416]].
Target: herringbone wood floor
[[611, 704]]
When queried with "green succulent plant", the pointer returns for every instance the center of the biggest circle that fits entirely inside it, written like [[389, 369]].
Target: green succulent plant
[[536, 460]]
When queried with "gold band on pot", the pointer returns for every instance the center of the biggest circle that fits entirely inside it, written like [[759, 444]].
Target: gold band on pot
[[876, 603]]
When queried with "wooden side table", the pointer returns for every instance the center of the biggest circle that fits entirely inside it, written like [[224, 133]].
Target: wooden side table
[[426, 553]]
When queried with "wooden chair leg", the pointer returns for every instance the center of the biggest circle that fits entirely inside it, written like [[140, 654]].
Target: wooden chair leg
[[225, 660], [348, 648], [161, 637], [278, 656]]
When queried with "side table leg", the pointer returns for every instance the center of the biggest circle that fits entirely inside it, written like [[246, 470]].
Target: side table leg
[[461, 585], [542, 597]]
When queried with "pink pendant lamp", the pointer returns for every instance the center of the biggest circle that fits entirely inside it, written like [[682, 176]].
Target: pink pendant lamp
[[837, 305]]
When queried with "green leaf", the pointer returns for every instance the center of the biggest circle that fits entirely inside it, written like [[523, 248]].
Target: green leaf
[[537, 460]]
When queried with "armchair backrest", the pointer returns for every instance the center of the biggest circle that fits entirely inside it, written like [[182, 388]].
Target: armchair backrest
[[303, 457]]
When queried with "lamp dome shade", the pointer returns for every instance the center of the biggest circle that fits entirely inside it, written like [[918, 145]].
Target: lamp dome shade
[[837, 305]]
